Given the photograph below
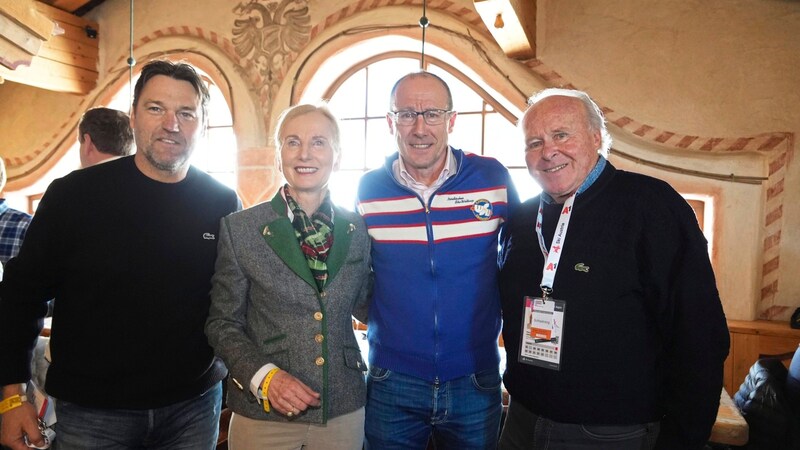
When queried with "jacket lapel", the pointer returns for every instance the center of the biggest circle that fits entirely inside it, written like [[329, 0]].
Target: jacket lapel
[[279, 235]]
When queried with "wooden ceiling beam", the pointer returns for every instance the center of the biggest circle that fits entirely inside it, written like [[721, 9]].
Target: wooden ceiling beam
[[64, 63], [28, 17], [22, 31], [512, 24]]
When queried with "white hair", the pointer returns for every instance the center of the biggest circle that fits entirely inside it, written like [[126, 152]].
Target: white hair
[[597, 120]]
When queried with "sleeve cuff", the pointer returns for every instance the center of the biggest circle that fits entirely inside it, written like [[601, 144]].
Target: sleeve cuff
[[255, 382]]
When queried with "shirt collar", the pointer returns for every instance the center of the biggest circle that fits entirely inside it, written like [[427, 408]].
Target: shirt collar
[[408, 179], [3, 205], [590, 179]]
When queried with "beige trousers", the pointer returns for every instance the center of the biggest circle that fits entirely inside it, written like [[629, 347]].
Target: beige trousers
[[341, 433]]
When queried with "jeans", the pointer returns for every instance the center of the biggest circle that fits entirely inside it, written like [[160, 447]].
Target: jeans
[[526, 430], [404, 412], [190, 424]]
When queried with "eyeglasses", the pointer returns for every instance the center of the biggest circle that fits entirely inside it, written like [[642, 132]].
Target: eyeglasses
[[430, 116]]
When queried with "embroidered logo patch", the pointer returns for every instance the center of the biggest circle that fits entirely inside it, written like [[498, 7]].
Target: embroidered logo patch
[[581, 267], [209, 236], [482, 209]]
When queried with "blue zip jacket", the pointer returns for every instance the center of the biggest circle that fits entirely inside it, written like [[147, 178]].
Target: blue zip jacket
[[435, 310]]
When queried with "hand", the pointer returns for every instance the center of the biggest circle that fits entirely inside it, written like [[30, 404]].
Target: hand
[[19, 422], [290, 396]]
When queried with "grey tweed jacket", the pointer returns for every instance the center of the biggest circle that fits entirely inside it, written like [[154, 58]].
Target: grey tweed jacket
[[266, 308]]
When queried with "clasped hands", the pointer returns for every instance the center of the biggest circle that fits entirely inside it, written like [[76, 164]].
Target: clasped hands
[[290, 396]]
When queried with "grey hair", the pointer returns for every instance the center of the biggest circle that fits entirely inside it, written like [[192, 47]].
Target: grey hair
[[597, 120]]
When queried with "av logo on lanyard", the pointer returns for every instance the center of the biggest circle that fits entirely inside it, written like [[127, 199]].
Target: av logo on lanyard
[[553, 256]]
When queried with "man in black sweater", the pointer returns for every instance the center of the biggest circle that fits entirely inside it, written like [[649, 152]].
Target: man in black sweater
[[128, 249], [613, 325]]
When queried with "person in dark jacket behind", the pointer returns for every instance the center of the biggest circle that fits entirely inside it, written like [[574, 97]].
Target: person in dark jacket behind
[[613, 326], [769, 403]]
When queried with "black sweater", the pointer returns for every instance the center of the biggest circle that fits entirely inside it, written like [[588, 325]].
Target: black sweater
[[129, 262], [645, 336]]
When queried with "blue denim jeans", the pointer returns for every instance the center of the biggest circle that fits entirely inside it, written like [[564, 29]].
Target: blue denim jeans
[[524, 430], [191, 424], [404, 412]]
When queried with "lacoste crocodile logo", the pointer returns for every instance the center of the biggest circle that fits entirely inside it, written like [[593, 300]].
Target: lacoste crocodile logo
[[581, 267]]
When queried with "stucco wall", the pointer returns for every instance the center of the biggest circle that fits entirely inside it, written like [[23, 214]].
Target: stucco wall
[[707, 68], [718, 69]]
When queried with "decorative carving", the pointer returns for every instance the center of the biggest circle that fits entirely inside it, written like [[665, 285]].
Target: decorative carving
[[268, 34]]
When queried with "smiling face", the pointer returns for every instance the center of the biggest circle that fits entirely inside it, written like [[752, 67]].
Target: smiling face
[[167, 122], [560, 145], [423, 147], [307, 153]]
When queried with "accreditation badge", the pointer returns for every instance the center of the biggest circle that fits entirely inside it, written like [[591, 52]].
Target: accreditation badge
[[542, 332]]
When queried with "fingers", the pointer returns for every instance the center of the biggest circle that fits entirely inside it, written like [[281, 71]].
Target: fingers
[[17, 424], [306, 395], [290, 396]]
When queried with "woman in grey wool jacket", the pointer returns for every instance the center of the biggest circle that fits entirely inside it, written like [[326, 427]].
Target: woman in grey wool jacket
[[290, 275]]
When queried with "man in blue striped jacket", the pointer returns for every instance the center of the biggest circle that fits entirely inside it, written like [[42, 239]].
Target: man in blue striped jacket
[[434, 214]]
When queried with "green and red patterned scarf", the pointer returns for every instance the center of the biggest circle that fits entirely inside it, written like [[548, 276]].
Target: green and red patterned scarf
[[315, 235]]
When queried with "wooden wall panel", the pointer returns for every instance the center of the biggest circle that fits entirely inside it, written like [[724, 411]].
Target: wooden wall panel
[[66, 62]]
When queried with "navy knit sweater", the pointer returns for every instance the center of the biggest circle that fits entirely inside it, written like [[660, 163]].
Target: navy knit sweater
[[644, 335]]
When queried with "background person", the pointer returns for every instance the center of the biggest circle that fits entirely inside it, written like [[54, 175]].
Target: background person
[[434, 214], [642, 336], [289, 276], [104, 134], [13, 223], [128, 248], [13, 226]]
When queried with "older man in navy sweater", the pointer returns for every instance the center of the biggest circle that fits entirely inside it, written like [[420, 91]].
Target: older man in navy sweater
[[613, 326]]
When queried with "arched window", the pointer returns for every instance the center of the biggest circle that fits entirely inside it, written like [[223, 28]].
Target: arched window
[[359, 97]]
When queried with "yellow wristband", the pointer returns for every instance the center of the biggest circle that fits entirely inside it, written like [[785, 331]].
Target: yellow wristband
[[12, 402], [265, 387]]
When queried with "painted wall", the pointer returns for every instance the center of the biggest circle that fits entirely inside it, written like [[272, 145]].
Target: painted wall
[[708, 86]]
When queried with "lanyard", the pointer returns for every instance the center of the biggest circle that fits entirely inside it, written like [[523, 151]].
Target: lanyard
[[554, 255]]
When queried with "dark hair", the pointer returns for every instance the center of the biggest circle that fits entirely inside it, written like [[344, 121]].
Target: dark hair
[[421, 74], [178, 71], [109, 129]]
